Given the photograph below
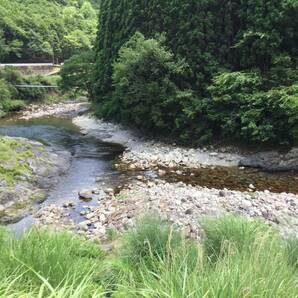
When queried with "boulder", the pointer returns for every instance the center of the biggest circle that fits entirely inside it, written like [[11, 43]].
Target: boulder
[[272, 161]]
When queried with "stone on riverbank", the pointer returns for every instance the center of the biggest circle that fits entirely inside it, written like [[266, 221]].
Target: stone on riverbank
[[273, 161]]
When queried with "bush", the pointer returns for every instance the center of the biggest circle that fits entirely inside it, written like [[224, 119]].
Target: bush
[[11, 77], [241, 109], [5, 93], [149, 89]]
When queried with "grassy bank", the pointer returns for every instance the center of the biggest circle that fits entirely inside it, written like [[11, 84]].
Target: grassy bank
[[13, 155], [238, 258]]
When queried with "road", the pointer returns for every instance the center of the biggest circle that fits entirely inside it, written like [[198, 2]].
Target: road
[[27, 64]]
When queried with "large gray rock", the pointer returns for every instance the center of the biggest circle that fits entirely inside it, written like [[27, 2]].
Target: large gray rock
[[273, 160], [46, 168]]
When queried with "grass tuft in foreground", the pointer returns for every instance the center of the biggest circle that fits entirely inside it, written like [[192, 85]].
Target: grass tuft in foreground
[[238, 258]]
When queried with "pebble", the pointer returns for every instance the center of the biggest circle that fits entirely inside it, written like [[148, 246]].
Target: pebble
[[85, 194]]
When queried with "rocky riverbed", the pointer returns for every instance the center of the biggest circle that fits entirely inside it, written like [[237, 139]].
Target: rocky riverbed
[[68, 109], [29, 170], [184, 203]]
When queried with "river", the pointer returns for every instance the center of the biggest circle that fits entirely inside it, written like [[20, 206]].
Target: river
[[92, 166], [92, 160]]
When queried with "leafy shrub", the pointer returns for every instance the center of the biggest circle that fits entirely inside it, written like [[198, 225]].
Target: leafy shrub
[[12, 77], [241, 109], [13, 105], [5, 93], [33, 94]]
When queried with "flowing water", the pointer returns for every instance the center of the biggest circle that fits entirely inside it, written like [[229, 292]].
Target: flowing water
[[92, 165], [92, 160]]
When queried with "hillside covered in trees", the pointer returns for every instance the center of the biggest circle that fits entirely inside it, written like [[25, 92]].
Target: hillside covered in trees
[[42, 31], [200, 70]]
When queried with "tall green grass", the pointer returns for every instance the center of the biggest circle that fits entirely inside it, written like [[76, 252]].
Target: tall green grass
[[238, 258], [43, 263]]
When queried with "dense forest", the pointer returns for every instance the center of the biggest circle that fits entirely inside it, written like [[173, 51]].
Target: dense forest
[[200, 70], [43, 31]]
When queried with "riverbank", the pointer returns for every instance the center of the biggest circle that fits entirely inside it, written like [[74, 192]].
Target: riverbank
[[63, 109], [28, 170], [144, 154]]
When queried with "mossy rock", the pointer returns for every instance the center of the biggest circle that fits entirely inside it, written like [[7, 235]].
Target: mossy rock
[[28, 170]]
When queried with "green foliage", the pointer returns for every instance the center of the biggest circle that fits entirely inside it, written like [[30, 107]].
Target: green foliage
[[48, 263], [241, 108], [45, 30], [253, 43], [14, 98], [76, 73], [5, 93], [3, 46], [230, 233], [247, 256], [152, 238]]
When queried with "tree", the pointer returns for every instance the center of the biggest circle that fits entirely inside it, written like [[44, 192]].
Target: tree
[[227, 44], [148, 89], [76, 73], [42, 29]]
